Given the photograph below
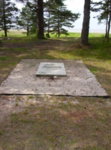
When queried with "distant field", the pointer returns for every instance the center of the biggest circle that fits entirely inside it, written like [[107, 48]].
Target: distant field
[[14, 33], [72, 34], [17, 33]]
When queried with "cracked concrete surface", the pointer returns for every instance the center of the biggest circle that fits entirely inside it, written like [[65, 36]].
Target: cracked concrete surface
[[78, 82]]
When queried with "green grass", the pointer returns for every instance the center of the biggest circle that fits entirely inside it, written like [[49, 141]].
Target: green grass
[[56, 123], [14, 33], [77, 35], [19, 33]]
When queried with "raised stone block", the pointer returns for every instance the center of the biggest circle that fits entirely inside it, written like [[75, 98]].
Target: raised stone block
[[51, 69]]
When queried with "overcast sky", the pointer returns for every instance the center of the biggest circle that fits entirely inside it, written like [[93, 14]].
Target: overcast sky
[[76, 6]]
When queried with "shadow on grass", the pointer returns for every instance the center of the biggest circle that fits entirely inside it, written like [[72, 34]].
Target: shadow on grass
[[97, 50], [62, 48]]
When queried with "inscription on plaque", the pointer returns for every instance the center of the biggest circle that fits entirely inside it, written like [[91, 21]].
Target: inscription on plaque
[[51, 69]]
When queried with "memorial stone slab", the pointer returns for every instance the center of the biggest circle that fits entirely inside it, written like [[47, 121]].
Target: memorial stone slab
[[51, 69]]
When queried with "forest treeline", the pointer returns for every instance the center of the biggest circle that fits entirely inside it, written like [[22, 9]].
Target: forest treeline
[[51, 16]]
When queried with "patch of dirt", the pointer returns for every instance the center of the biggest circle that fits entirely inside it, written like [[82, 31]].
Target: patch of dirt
[[42, 45], [58, 123]]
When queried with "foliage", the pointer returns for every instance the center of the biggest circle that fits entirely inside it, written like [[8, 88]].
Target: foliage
[[8, 14], [29, 21], [58, 17], [104, 7]]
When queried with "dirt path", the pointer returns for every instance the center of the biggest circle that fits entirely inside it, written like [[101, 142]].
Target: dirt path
[[32, 122]]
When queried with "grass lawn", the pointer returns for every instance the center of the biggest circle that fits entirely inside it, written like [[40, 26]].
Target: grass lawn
[[50, 122]]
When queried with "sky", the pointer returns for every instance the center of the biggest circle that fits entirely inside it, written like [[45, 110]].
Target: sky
[[77, 6]]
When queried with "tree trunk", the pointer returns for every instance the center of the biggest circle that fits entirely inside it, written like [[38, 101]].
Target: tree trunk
[[58, 26], [40, 34], [86, 20], [4, 18], [109, 22], [106, 34], [106, 31], [49, 23], [27, 30]]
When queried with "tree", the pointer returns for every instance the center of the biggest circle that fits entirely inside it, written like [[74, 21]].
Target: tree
[[40, 34], [85, 26], [104, 7], [8, 12], [29, 21], [50, 6], [59, 17], [0, 43], [40, 17], [63, 18]]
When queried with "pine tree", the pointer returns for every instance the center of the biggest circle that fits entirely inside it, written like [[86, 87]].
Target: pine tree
[[59, 17], [29, 21], [104, 7], [8, 12], [63, 18], [50, 7], [86, 20], [40, 17]]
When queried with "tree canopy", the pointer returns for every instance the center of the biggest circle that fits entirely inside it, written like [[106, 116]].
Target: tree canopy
[[8, 14], [104, 8], [58, 17], [51, 16], [29, 21]]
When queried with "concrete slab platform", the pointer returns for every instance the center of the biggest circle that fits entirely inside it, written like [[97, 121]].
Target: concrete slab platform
[[78, 82]]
